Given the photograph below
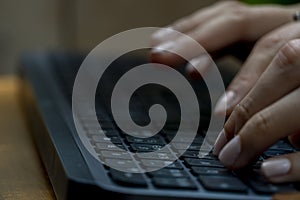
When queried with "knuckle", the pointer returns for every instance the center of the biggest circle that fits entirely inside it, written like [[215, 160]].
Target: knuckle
[[261, 123], [289, 54], [242, 111], [269, 42], [237, 14], [243, 79]]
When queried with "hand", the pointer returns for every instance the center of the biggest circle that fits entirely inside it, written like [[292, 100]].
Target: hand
[[215, 27], [269, 112]]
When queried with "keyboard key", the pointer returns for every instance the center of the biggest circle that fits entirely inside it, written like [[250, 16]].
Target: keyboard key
[[271, 153], [152, 140], [174, 165], [155, 163], [260, 185], [107, 133], [281, 145], [184, 146], [157, 156], [146, 147], [196, 141], [222, 183], [108, 147], [115, 154], [130, 179], [100, 139], [127, 165], [190, 154], [264, 187], [203, 162], [140, 134], [210, 171], [171, 173], [182, 183]]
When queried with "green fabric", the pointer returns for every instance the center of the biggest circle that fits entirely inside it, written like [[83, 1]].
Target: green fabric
[[271, 1]]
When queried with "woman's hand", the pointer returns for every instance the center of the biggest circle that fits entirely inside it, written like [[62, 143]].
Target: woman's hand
[[269, 112], [215, 27], [266, 89]]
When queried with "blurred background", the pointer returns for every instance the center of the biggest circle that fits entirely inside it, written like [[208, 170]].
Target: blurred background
[[77, 24]]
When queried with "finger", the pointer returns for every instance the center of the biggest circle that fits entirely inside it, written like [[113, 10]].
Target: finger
[[198, 66], [262, 130], [226, 27], [187, 24], [295, 139], [261, 56], [213, 35], [283, 71], [282, 168]]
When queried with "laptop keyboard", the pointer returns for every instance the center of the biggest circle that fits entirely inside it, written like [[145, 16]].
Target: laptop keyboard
[[189, 172]]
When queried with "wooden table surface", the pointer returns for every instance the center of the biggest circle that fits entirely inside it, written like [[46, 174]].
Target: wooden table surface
[[22, 175]]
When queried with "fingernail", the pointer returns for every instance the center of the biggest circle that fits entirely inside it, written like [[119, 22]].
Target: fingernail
[[276, 167], [161, 33], [224, 103], [163, 48], [220, 142], [198, 65], [231, 151]]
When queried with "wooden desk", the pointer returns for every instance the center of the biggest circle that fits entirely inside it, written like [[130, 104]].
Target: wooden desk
[[22, 175]]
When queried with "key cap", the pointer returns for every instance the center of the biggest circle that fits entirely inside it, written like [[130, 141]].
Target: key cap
[[115, 154], [157, 156], [271, 153], [263, 187], [196, 141], [184, 146], [203, 162], [128, 179], [211, 171], [155, 163], [152, 140], [108, 147], [281, 145], [222, 183], [190, 154], [146, 147], [260, 185], [110, 133], [170, 173], [101, 139], [182, 183], [174, 165], [128, 165]]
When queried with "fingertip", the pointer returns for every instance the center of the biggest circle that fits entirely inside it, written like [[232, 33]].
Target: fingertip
[[220, 143], [192, 72], [162, 35]]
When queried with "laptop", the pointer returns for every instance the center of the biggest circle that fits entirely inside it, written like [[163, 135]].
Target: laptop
[[75, 173]]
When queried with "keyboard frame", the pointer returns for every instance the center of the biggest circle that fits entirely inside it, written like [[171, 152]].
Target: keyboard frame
[[73, 172]]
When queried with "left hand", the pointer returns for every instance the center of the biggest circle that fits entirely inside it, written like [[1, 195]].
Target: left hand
[[270, 111]]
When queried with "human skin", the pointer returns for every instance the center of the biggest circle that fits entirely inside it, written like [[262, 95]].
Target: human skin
[[263, 100]]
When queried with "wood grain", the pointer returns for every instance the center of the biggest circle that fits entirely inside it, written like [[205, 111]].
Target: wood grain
[[22, 175]]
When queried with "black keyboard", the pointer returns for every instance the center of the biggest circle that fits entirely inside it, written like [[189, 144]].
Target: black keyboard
[[189, 176]]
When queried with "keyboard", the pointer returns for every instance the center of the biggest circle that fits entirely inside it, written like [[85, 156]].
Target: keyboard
[[46, 94]]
